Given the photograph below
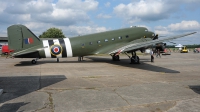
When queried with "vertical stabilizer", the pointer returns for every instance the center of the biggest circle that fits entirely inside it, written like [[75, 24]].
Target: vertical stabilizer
[[20, 38]]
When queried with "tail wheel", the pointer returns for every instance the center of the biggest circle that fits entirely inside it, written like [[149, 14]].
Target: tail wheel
[[33, 61]]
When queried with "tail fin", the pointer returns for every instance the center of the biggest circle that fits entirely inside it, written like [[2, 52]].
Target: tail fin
[[20, 38]]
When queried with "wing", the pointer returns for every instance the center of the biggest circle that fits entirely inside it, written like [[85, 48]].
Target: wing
[[134, 46]]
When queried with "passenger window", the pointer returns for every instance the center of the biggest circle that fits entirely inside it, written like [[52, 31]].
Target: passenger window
[[106, 40], [90, 43], [83, 44], [113, 39], [120, 37], [98, 41], [127, 36]]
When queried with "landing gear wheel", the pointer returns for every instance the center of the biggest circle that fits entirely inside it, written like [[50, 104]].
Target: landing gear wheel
[[115, 58], [135, 60], [33, 61]]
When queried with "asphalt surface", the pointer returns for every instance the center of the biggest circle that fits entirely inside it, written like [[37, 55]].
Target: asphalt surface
[[171, 83]]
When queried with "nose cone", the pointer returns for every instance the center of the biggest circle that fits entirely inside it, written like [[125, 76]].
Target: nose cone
[[152, 34]]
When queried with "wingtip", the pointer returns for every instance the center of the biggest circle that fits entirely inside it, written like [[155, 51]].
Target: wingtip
[[194, 32]]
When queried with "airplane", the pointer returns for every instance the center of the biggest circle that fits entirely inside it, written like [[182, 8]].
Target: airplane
[[25, 44]]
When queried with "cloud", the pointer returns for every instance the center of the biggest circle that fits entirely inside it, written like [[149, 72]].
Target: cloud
[[150, 10], [3, 33], [107, 4], [181, 28], [63, 12], [185, 26], [69, 31], [103, 16], [39, 6], [63, 17], [40, 15], [86, 5], [73, 30], [177, 28]]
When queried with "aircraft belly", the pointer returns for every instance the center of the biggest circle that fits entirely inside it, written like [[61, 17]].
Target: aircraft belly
[[57, 48]]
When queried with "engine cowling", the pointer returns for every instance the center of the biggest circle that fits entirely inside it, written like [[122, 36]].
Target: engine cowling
[[160, 46]]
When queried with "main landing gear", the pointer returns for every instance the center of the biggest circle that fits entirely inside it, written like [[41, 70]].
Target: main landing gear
[[115, 57], [80, 58], [134, 58]]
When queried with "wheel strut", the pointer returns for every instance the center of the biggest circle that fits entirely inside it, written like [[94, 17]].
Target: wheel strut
[[115, 57], [134, 59]]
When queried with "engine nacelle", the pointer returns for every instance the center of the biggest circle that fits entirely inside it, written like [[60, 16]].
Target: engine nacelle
[[160, 46], [143, 49]]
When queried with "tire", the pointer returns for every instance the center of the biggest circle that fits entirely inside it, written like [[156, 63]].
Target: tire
[[134, 61], [138, 60], [115, 58], [33, 61]]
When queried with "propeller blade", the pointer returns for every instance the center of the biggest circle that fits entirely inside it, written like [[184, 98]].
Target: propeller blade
[[155, 37]]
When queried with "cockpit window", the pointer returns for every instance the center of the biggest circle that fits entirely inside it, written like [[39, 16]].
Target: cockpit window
[[146, 30]]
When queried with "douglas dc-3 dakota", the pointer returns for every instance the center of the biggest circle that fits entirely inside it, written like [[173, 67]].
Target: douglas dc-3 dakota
[[26, 44]]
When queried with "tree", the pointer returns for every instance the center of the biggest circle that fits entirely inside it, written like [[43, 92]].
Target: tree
[[52, 33]]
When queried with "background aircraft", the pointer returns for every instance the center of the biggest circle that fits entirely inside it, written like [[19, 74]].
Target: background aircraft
[[25, 44]]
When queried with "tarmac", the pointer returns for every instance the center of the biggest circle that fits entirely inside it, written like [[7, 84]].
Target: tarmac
[[97, 84]]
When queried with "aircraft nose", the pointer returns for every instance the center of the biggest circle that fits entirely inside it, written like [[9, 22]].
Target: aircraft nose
[[151, 34]]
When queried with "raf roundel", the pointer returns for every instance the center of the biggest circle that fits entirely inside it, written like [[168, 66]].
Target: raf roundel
[[56, 50]]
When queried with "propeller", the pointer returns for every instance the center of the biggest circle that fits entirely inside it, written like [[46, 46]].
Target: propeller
[[155, 37], [161, 46]]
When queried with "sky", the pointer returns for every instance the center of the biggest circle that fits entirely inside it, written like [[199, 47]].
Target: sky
[[80, 17]]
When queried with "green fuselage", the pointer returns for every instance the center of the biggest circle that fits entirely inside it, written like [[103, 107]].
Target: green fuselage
[[105, 42], [26, 45]]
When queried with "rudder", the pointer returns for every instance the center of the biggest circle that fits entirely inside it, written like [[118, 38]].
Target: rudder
[[20, 38]]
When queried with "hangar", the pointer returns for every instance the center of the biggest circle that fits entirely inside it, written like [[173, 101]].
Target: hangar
[[3, 40]]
